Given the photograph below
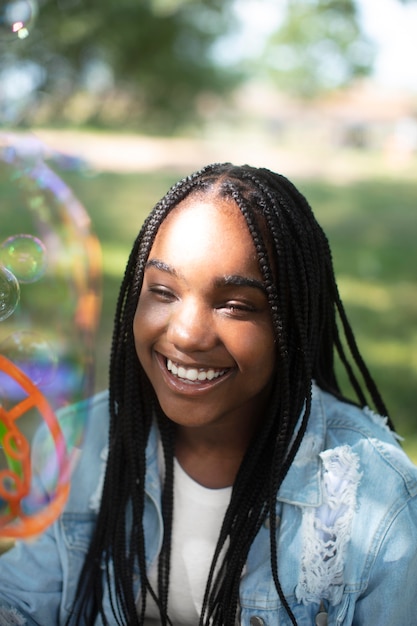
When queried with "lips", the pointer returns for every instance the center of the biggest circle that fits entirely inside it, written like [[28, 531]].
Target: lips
[[194, 374]]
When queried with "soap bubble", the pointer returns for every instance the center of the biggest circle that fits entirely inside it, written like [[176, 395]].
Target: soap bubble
[[25, 256], [50, 278], [9, 293], [33, 355], [17, 18]]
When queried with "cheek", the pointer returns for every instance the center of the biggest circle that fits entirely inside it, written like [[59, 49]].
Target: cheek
[[266, 360], [148, 320], [255, 352]]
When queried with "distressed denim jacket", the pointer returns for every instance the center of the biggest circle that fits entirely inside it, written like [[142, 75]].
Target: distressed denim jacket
[[346, 524]]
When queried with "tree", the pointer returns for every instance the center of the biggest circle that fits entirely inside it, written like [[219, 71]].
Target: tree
[[146, 63], [124, 61], [318, 47]]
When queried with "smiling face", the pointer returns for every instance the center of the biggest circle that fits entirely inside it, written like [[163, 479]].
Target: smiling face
[[203, 331]]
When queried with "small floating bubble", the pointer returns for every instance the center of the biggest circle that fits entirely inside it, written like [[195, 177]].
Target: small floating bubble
[[9, 293], [25, 256]]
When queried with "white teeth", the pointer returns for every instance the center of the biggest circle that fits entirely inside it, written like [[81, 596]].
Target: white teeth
[[193, 373]]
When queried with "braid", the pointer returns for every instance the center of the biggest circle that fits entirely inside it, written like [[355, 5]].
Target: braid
[[166, 430], [307, 316]]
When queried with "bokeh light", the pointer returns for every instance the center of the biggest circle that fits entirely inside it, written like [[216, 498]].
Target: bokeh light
[[50, 274], [17, 18]]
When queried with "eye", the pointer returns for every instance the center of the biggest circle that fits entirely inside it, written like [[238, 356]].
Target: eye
[[161, 293], [237, 308]]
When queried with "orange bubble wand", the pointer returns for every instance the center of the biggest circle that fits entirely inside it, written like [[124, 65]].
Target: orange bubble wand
[[15, 481]]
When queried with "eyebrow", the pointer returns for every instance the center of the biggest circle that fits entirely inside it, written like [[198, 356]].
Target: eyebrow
[[160, 265], [223, 281], [240, 281]]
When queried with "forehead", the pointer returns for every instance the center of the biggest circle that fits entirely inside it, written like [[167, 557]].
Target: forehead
[[208, 226]]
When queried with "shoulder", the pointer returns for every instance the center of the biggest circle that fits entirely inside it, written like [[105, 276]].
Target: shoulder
[[92, 417], [368, 436], [367, 501]]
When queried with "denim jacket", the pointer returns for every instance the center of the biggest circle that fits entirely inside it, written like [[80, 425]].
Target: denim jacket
[[346, 524]]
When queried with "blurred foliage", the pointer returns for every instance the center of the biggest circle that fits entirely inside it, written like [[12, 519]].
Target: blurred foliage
[[109, 63], [151, 65], [319, 47]]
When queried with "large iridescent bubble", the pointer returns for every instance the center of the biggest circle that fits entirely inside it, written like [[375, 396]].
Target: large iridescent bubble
[[49, 306]]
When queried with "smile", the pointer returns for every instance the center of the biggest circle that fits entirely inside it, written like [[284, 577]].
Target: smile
[[192, 373]]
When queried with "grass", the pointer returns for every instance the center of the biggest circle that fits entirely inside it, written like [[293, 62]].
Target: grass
[[371, 225]]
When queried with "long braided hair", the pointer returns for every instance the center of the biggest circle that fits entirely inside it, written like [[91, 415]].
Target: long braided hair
[[310, 327]]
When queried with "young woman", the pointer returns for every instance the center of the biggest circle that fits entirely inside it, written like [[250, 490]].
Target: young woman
[[225, 479]]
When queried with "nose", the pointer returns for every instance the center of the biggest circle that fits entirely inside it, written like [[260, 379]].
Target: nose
[[191, 327]]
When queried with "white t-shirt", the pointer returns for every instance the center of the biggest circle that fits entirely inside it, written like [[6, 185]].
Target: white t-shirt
[[198, 516]]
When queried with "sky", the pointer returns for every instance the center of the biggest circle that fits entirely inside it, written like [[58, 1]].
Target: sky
[[391, 24], [394, 28]]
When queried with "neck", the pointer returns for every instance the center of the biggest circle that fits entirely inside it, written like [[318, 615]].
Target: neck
[[212, 456]]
